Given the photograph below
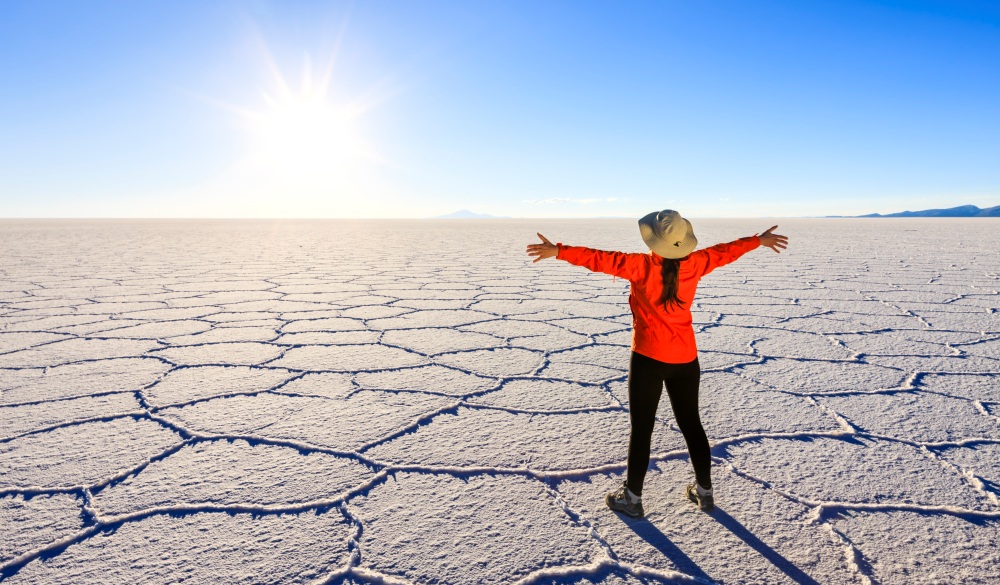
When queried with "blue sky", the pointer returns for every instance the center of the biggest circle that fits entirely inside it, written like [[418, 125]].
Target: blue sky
[[533, 109]]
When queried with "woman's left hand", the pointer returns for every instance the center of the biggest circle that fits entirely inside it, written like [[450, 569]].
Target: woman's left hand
[[773, 241], [544, 250]]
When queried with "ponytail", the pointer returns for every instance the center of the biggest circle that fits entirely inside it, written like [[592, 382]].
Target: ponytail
[[668, 272]]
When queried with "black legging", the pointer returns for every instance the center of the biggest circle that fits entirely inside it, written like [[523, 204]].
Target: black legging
[[646, 378]]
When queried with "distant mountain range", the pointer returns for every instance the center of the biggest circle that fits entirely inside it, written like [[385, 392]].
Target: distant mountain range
[[960, 211], [466, 214]]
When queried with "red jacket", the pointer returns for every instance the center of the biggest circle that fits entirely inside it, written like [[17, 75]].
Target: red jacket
[[660, 333]]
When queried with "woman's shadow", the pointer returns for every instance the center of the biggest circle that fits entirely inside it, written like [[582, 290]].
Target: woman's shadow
[[685, 564]]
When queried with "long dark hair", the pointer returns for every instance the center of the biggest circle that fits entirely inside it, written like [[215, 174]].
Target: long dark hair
[[668, 272]]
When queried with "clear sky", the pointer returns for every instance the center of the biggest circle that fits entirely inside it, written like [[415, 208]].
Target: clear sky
[[534, 108]]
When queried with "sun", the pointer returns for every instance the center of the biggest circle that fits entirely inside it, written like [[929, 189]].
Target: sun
[[306, 131], [303, 146], [304, 136]]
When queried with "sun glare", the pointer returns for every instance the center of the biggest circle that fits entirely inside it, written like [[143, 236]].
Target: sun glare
[[304, 149], [305, 137]]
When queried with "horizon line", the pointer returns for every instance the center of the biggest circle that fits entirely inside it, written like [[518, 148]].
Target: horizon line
[[472, 219]]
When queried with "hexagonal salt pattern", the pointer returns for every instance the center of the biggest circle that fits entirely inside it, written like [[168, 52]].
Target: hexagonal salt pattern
[[81, 454], [822, 377], [337, 403], [348, 358], [916, 416], [72, 351], [344, 424], [432, 341], [753, 536], [881, 472], [532, 394], [497, 438], [184, 385], [905, 548], [978, 459], [238, 353], [232, 473], [732, 406], [435, 379], [35, 385], [25, 418], [204, 548], [13, 341], [35, 521], [431, 527], [976, 387], [577, 372], [494, 362]]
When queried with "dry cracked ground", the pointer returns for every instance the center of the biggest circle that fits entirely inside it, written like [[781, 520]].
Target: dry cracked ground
[[415, 402]]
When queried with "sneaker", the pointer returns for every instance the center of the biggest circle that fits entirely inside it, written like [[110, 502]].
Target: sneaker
[[624, 501], [701, 496]]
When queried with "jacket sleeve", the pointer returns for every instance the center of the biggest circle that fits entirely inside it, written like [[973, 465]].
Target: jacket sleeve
[[722, 254], [617, 264]]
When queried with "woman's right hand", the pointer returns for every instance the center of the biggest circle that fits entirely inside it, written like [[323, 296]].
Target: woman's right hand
[[773, 241], [544, 250]]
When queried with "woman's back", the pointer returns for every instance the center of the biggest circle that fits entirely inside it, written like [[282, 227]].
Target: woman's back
[[661, 330]]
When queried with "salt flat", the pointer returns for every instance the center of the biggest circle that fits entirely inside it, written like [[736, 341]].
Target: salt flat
[[415, 402]]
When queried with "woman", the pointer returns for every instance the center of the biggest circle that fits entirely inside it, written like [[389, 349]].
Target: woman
[[663, 284]]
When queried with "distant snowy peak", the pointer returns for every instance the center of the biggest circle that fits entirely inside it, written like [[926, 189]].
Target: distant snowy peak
[[960, 211], [466, 214]]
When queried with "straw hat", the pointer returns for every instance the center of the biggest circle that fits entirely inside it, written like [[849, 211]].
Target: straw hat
[[668, 234]]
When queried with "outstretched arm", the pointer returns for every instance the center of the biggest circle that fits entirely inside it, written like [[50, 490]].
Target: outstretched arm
[[721, 254], [617, 264], [773, 241]]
